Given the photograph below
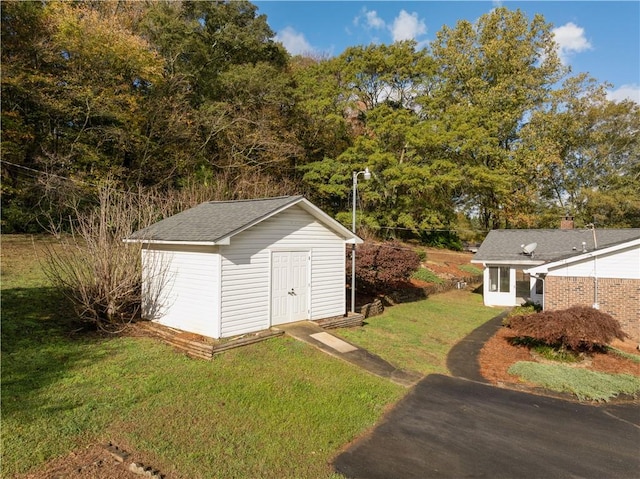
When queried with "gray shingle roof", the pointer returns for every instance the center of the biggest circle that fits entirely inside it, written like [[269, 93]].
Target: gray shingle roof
[[213, 220], [552, 245]]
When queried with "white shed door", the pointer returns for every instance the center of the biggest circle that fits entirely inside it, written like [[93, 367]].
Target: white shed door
[[289, 286]]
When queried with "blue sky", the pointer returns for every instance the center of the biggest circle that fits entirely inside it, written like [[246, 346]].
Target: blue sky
[[601, 38]]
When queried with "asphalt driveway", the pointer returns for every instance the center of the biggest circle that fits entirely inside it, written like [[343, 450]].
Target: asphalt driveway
[[456, 428]]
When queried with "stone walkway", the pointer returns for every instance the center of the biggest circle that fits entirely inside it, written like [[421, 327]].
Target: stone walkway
[[316, 336]]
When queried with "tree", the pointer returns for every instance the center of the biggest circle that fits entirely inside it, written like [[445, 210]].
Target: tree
[[579, 328], [323, 115], [148, 93], [103, 72], [228, 82], [74, 79], [491, 75], [378, 74], [411, 189], [584, 154]]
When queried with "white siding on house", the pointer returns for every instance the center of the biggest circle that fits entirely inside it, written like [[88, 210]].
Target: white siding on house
[[246, 270], [491, 292], [536, 293], [623, 264], [188, 280]]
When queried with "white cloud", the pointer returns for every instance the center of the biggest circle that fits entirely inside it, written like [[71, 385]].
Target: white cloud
[[373, 20], [570, 39], [293, 41], [625, 92], [369, 19], [407, 26]]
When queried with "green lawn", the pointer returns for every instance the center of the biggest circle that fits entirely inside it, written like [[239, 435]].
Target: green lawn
[[584, 384], [276, 409], [418, 336]]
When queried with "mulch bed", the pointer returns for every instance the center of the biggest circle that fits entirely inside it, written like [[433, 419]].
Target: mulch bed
[[498, 354]]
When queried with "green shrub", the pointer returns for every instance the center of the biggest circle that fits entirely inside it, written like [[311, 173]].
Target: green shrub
[[553, 353], [442, 239], [546, 351], [527, 308], [578, 328]]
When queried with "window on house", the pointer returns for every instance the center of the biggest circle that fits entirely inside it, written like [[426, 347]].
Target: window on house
[[499, 279], [539, 286]]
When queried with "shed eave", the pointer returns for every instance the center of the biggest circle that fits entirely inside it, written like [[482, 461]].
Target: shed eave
[[173, 242], [354, 240]]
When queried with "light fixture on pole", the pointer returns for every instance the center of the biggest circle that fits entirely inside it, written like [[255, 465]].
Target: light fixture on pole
[[367, 175]]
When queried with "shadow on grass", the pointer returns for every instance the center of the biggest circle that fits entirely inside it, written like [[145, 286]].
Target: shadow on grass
[[38, 345]]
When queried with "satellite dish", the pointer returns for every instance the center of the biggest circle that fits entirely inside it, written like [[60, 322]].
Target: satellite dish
[[530, 248]]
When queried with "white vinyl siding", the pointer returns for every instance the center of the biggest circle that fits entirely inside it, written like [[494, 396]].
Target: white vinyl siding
[[623, 264], [499, 285], [188, 280], [246, 270]]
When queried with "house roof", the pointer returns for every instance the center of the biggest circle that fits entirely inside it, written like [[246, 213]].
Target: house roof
[[215, 222], [506, 246], [612, 248]]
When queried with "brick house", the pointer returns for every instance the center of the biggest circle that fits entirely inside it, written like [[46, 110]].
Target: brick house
[[565, 267]]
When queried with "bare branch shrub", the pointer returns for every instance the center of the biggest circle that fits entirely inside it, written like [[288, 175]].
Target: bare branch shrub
[[102, 275], [579, 328], [381, 266], [94, 268]]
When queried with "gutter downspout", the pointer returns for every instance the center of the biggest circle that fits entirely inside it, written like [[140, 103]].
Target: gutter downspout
[[596, 305]]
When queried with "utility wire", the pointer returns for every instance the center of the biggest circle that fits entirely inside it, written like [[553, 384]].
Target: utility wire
[[95, 185], [65, 178]]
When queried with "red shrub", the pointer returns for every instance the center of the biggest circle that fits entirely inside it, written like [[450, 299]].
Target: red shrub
[[579, 328], [381, 266]]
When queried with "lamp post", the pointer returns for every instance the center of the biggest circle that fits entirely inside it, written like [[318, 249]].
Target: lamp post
[[367, 175]]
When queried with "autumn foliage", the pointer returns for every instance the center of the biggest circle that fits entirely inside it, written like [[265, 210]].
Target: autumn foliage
[[579, 328], [381, 266]]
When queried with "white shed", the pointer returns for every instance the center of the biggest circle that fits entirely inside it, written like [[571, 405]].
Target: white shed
[[225, 268]]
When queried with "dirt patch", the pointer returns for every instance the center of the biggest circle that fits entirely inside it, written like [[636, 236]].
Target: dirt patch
[[91, 462], [446, 264], [498, 354]]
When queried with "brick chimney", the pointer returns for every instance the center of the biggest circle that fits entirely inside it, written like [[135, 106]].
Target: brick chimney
[[566, 223]]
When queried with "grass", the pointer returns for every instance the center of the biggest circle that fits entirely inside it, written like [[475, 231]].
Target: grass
[[471, 269], [424, 274], [276, 409], [586, 385], [417, 336], [623, 354]]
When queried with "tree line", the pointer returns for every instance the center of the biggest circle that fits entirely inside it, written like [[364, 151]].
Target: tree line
[[485, 128]]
